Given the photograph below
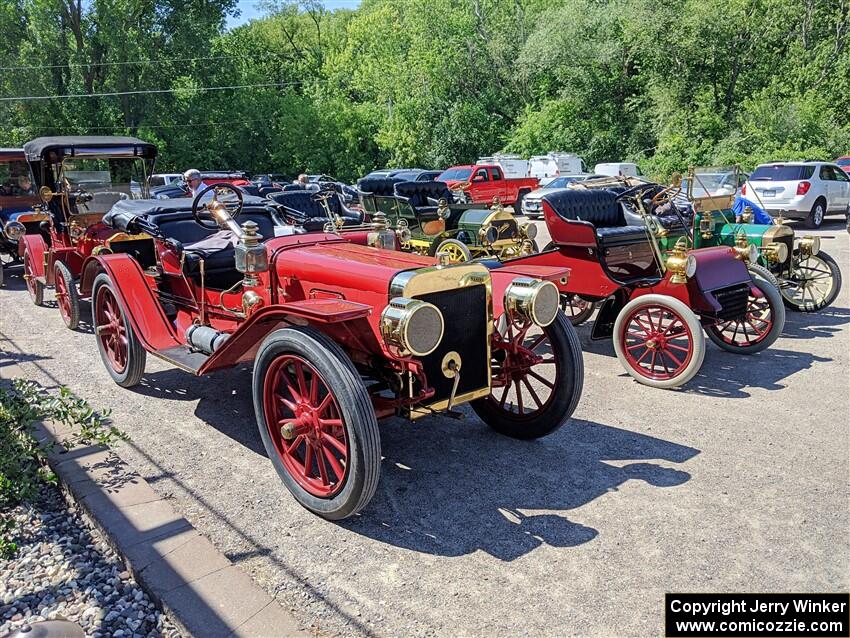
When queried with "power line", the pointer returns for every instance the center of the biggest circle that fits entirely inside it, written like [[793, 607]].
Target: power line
[[150, 126], [201, 89], [123, 63]]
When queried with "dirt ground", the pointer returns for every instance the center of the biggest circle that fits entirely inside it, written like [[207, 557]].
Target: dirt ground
[[736, 482]]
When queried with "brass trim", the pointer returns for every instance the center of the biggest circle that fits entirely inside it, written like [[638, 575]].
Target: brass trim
[[773, 233], [414, 283], [427, 410]]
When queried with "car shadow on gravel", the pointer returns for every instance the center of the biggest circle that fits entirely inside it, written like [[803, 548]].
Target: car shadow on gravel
[[815, 325], [728, 375], [224, 400], [451, 489]]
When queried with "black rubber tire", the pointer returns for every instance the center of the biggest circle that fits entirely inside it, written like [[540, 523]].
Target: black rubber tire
[[2, 279], [72, 321], [835, 272], [518, 203], [815, 219], [761, 271], [567, 349], [357, 411], [136, 355], [777, 310]]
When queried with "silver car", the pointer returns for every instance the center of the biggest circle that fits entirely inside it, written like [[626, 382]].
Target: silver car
[[532, 204]]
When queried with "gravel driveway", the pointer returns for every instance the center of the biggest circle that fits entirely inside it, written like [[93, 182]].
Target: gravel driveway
[[737, 482]]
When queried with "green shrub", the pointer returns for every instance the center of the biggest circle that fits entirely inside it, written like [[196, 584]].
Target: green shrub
[[23, 467]]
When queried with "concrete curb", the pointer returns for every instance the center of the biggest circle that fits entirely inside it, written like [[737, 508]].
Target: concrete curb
[[203, 593]]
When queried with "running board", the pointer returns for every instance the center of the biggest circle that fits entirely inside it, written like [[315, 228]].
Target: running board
[[183, 358]]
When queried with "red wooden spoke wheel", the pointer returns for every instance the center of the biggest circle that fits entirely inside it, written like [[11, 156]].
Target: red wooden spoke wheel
[[122, 353], [34, 287], [578, 310], [304, 423], [758, 328], [659, 341], [317, 422], [67, 298], [538, 374], [110, 329]]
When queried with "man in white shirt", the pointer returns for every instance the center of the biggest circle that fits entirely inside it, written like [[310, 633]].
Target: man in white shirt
[[193, 180]]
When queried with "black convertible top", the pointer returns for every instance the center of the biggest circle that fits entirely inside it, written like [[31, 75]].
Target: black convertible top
[[124, 211], [36, 149]]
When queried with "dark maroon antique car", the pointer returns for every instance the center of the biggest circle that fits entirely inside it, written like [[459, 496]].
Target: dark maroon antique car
[[654, 303], [340, 334]]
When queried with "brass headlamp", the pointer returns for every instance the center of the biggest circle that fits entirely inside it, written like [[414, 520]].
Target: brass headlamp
[[809, 246], [14, 230], [745, 251], [412, 326], [488, 234], [532, 300], [775, 252], [528, 230]]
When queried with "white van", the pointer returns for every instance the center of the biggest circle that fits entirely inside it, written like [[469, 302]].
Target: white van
[[546, 167], [512, 166], [618, 169]]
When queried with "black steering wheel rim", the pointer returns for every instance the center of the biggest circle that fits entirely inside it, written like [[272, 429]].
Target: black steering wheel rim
[[197, 207], [634, 189]]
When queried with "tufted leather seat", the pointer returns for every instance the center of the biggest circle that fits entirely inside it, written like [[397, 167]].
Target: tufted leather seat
[[600, 208], [301, 208], [423, 194], [380, 186]]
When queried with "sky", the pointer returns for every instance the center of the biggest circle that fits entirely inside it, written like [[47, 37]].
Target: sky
[[250, 9]]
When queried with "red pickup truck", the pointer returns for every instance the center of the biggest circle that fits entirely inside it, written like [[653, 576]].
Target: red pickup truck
[[480, 183]]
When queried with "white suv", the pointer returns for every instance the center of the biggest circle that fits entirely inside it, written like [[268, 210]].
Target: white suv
[[800, 190]]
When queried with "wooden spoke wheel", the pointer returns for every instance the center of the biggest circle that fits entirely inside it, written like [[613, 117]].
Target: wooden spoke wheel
[[317, 422], [576, 309], [120, 350], [659, 341], [67, 298], [760, 326], [538, 375], [457, 250], [814, 284], [34, 287]]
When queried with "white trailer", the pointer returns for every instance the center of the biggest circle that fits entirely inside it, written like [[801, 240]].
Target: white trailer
[[545, 167]]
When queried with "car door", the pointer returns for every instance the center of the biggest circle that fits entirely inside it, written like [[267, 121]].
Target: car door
[[831, 187], [499, 185], [842, 188], [482, 187]]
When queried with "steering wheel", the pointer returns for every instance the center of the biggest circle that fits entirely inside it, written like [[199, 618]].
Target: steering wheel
[[321, 195], [218, 209], [634, 189], [665, 195]]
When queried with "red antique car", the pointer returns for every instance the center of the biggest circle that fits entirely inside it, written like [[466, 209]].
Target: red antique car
[[78, 180], [340, 334], [654, 305], [18, 200]]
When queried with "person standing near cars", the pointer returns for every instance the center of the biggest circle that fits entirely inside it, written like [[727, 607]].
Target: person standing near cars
[[193, 180]]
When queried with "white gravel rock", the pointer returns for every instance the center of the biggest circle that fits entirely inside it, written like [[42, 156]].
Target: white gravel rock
[[63, 569]]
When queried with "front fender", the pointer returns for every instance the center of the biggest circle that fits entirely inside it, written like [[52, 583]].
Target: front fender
[[140, 305], [35, 246], [338, 318]]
